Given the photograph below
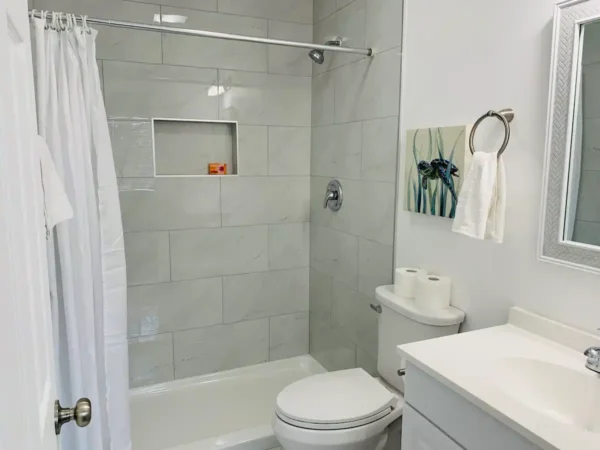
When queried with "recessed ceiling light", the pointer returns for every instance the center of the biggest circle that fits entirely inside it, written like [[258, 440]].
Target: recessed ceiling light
[[170, 18], [215, 91]]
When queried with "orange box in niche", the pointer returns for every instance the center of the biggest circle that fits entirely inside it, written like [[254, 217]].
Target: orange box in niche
[[217, 169]]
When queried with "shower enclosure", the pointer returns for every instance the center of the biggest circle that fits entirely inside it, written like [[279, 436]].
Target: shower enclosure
[[242, 282]]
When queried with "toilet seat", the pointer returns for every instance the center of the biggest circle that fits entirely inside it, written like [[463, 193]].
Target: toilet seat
[[335, 426], [335, 401]]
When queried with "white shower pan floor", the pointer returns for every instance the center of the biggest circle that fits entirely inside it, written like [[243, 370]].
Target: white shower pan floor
[[226, 410]]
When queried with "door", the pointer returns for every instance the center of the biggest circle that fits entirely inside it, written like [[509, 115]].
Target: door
[[27, 384]]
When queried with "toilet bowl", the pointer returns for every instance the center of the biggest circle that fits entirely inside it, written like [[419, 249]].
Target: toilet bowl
[[350, 409]]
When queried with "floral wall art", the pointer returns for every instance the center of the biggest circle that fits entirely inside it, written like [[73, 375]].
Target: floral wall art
[[436, 161]]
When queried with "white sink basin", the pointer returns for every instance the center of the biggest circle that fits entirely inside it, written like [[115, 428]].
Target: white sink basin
[[560, 393]]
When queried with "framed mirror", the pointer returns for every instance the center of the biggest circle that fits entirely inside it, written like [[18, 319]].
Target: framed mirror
[[570, 232]]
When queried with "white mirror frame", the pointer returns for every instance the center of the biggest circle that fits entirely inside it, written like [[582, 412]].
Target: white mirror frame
[[569, 15]]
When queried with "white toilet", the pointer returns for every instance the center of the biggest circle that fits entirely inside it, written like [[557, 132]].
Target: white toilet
[[349, 409]]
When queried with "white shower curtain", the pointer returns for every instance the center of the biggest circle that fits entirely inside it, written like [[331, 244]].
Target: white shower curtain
[[86, 255]]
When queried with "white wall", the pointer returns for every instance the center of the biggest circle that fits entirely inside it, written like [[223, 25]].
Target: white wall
[[460, 60]]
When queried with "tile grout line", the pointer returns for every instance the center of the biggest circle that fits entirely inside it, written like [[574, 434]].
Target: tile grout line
[[210, 68], [137, 337], [352, 121], [362, 147], [268, 150], [214, 277], [358, 265], [365, 180], [223, 300], [268, 338], [268, 46], [269, 247], [366, 22], [218, 100], [170, 259], [227, 226], [162, 42], [221, 202], [334, 96], [173, 354], [330, 14]]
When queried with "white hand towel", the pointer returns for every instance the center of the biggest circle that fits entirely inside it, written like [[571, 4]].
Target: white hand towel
[[482, 201], [56, 203]]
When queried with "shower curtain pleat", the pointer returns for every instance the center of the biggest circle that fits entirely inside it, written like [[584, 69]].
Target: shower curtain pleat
[[87, 256]]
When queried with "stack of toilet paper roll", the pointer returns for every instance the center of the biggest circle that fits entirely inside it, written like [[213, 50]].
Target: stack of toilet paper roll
[[430, 291]]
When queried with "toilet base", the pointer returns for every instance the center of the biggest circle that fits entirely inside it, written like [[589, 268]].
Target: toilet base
[[373, 436], [374, 443], [394, 437], [392, 441]]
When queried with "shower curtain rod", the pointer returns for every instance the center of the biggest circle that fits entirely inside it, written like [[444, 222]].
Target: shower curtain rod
[[212, 34]]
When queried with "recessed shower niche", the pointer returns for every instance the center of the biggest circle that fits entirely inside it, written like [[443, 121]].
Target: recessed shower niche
[[186, 148]]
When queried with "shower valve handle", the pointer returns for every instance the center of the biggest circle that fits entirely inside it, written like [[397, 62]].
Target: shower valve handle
[[333, 196], [329, 196]]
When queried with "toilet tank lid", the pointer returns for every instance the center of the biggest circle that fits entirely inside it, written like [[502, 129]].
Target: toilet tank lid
[[411, 309]]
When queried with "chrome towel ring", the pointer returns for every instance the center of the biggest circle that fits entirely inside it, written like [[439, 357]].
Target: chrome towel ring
[[505, 116]]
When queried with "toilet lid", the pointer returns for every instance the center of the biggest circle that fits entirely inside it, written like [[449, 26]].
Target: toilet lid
[[342, 397]]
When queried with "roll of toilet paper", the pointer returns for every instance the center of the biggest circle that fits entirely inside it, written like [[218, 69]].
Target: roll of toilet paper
[[405, 281], [433, 291]]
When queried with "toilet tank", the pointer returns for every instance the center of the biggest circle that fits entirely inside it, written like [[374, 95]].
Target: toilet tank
[[403, 321]]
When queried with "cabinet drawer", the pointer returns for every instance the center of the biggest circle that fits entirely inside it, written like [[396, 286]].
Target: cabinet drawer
[[418, 433], [464, 422]]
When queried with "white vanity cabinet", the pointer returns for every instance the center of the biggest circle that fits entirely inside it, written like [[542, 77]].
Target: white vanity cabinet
[[437, 418]]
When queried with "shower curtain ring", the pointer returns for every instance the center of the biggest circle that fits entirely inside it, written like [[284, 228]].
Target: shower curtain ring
[[85, 24], [44, 16], [54, 21], [62, 20]]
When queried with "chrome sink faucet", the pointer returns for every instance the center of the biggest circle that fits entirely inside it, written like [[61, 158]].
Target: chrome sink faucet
[[593, 359]]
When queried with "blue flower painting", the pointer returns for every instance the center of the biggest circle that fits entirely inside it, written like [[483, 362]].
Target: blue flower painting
[[436, 159]]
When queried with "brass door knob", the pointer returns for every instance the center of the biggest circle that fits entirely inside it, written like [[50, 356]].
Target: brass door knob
[[81, 414]]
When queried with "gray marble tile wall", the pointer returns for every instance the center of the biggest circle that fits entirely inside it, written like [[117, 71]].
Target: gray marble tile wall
[[218, 268], [355, 104]]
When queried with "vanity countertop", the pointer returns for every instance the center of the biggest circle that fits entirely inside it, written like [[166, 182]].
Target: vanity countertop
[[529, 374]]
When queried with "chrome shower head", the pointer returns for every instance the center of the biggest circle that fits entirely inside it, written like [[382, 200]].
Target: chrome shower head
[[318, 56]]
